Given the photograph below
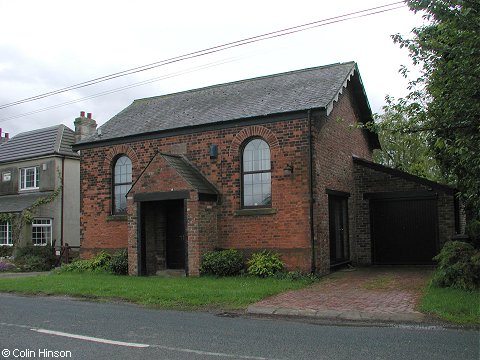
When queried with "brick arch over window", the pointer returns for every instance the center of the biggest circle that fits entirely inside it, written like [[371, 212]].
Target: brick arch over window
[[253, 131], [115, 151]]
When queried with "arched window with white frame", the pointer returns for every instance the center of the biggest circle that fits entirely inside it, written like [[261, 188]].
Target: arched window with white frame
[[256, 174], [122, 182]]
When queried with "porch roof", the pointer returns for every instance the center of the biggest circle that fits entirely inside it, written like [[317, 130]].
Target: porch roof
[[19, 202], [190, 173]]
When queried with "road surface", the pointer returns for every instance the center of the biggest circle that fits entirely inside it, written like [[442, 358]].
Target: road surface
[[49, 328]]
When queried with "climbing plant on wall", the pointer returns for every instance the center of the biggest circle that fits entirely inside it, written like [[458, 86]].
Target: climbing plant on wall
[[18, 220]]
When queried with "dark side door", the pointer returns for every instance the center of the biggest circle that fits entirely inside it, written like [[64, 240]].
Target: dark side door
[[404, 230], [338, 224]]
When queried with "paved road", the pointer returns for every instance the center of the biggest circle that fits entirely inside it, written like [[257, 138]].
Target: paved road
[[29, 326]]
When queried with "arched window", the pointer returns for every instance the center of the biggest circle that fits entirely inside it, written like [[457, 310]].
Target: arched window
[[256, 174], [122, 182]]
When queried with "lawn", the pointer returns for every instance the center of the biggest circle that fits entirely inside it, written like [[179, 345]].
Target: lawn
[[454, 305], [230, 293]]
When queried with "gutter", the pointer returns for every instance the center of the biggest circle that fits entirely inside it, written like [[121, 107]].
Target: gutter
[[311, 197]]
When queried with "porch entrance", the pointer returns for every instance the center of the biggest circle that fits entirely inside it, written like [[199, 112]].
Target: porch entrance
[[162, 236]]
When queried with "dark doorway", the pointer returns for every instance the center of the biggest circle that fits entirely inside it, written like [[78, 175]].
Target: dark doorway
[[175, 234], [162, 236], [338, 219], [404, 230]]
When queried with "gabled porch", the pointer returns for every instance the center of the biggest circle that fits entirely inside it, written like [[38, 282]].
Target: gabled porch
[[172, 216]]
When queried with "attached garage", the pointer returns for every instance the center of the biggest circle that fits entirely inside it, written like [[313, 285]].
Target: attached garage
[[404, 228], [400, 219]]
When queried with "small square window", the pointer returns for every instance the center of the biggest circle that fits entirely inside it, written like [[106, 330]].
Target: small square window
[[29, 178]]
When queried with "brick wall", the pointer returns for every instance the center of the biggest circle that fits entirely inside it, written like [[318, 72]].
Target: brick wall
[[369, 180], [286, 231], [336, 139]]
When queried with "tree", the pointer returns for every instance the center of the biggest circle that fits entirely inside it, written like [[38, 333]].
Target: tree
[[404, 151], [444, 101]]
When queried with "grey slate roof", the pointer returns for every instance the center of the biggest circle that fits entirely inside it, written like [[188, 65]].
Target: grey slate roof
[[17, 203], [31, 144], [193, 176], [293, 91]]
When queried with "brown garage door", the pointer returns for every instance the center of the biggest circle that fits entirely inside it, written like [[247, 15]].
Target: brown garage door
[[404, 230]]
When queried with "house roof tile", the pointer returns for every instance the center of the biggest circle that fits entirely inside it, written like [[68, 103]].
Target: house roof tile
[[36, 143]]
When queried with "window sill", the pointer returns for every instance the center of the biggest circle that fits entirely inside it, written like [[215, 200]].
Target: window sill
[[255, 212], [117, 218]]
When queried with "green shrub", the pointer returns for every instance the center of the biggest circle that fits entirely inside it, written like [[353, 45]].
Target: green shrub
[[222, 263], [99, 263], [264, 264], [119, 263], [6, 251], [34, 258], [458, 266], [473, 232]]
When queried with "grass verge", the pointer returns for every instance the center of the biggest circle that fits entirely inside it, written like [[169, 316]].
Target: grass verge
[[187, 293], [454, 305]]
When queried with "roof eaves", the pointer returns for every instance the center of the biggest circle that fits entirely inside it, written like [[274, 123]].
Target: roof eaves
[[340, 89], [265, 118]]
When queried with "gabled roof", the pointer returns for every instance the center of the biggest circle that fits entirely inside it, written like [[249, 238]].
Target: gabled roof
[[313, 88], [193, 176], [54, 140]]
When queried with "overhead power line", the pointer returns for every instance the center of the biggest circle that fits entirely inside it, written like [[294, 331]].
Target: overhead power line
[[122, 88], [214, 49]]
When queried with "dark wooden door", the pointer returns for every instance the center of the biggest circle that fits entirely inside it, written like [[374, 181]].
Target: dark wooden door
[[404, 231], [338, 224], [175, 235]]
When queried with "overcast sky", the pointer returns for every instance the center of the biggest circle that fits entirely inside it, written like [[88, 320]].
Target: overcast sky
[[47, 45]]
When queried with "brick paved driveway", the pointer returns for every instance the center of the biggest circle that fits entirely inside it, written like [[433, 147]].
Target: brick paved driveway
[[365, 293]]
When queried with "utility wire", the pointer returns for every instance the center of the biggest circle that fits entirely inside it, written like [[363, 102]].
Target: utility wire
[[214, 49], [126, 87]]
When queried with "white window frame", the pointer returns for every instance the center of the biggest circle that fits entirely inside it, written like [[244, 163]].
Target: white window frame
[[23, 178], [42, 224], [8, 231]]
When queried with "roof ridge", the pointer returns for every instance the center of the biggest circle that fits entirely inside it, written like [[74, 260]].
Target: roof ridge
[[245, 80], [37, 130]]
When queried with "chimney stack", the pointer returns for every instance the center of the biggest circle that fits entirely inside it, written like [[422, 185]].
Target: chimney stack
[[84, 126], [3, 139]]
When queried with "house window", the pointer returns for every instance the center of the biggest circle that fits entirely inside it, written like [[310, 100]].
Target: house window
[[256, 174], [42, 232], [29, 178], [5, 234], [122, 182]]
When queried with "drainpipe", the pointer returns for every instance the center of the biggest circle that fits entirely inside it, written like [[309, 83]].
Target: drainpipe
[[312, 199], [62, 202]]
